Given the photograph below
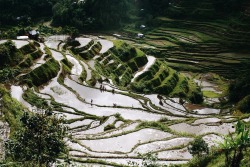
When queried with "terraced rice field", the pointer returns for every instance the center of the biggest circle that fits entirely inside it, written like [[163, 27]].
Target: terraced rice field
[[109, 124], [199, 46]]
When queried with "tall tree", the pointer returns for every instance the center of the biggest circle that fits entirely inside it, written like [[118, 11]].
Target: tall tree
[[39, 141]]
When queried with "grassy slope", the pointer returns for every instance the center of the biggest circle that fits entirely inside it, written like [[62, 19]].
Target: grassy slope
[[11, 109]]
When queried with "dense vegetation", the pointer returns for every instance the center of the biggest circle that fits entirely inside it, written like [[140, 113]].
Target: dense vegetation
[[24, 11], [186, 35], [39, 141], [9, 54], [239, 91], [94, 14]]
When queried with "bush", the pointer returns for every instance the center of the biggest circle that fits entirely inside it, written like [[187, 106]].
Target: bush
[[198, 147], [244, 105], [196, 97], [9, 54], [240, 88]]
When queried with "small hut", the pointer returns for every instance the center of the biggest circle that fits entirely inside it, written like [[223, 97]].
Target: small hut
[[33, 34]]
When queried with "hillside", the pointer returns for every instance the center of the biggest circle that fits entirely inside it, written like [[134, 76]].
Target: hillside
[[143, 82], [104, 105]]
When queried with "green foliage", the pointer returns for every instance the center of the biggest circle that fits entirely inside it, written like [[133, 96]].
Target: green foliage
[[29, 48], [9, 54], [43, 73], [211, 160], [152, 7], [88, 54], [239, 88], [198, 147], [161, 79], [72, 31], [9, 33], [67, 63], [154, 124], [90, 14], [120, 62], [8, 73], [235, 144], [66, 12], [196, 97], [28, 61], [24, 11], [39, 141], [11, 109], [34, 99], [109, 127], [226, 6], [244, 104]]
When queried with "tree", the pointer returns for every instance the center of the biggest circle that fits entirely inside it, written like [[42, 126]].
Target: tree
[[198, 147], [153, 7], [39, 141], [234, 145], [110, 13], [240, 87]]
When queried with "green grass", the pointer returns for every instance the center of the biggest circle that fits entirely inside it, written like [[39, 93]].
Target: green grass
[[126, 60], [9, 55], [11, 109], [211, 94], [181, 87], [154, 124], [118, 43], [216, 159], [43, 73], [34, 99]]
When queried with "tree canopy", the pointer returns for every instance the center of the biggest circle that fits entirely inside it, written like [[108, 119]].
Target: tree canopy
[[91, 14], [39, 141]]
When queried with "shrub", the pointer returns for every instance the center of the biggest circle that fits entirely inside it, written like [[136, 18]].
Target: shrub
[[196, 97], [244, 105], [9, 54], [198, 147]]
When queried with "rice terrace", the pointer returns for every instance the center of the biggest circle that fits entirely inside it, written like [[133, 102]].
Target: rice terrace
[[125, 83]]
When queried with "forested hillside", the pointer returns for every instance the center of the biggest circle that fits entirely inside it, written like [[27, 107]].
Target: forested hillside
[[87, 14]]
